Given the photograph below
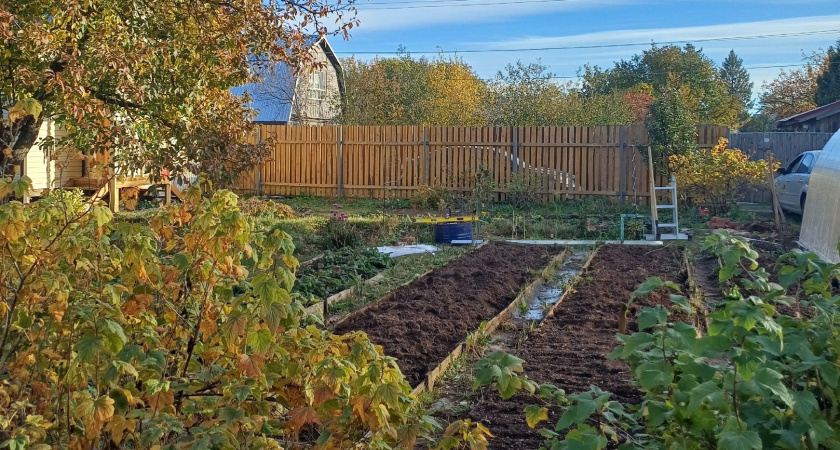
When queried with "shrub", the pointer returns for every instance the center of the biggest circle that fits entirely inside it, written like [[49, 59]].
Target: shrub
[[256, 206], [137, 336], [434, 197], [524, 189], [339, 232], [716, 176]]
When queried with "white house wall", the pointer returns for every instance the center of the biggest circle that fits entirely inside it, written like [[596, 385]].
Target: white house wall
[[43, 172], [820, 230], [37, 163]]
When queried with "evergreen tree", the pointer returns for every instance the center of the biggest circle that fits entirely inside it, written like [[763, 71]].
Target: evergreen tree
[[828, 82], [737, 79]]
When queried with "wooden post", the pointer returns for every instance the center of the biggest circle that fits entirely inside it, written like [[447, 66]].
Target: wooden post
[[114, 190], [425, 177], [777, 209], [654, 215], [515, 152], [340, 164], [168, 192], [622, 164], [258, 187]]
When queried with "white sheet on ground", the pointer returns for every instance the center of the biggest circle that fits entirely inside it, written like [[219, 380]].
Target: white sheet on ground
[[403, 250]]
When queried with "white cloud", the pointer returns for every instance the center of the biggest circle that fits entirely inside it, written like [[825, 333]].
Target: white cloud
[[756, 53], [373, 18], [695, 34]]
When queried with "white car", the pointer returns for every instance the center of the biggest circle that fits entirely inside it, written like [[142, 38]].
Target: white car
[[792, 182]]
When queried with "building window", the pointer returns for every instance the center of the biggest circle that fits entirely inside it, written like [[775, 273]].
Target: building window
[[317, 85]]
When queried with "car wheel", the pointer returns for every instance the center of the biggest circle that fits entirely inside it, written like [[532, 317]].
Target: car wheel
[[802, 204]]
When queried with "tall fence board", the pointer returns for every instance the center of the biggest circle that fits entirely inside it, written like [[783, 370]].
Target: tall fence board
[[785, 147], [396, 161]]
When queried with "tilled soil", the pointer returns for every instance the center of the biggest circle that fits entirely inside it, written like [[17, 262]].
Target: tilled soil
[[569, 349], [420, 323]]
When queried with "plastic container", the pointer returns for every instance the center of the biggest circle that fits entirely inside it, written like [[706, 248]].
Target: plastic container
[[447, 232]]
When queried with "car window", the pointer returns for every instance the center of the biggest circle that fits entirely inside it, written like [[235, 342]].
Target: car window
[[807, 164], [792, 166]]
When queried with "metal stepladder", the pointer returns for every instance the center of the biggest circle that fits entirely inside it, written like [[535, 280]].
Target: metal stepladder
[[674, 223], [655, 207]]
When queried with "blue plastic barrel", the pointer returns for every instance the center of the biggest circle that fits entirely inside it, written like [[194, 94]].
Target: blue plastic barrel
[[447, 232]]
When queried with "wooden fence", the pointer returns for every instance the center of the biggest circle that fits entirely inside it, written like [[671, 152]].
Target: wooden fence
[[396, 161], [785, 147]]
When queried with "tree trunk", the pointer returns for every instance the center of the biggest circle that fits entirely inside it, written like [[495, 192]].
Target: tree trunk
[[22, 137]]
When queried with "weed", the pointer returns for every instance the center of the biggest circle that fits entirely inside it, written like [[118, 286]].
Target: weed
[[435, 197]]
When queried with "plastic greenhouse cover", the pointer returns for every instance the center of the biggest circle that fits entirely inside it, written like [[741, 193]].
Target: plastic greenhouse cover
[[821, 221]]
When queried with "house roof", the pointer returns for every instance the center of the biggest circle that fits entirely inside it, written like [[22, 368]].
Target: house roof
[[272, 98], [816, 113]]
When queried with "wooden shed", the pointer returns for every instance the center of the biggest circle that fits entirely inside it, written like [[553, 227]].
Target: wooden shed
[[825, 119]]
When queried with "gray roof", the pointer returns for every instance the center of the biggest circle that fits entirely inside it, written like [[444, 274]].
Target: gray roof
[[272, 97]]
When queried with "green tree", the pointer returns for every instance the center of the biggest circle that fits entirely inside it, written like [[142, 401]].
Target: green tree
[[828, 81], [524, 94], [409, 91], [737, 80], [790, 93], [672, 126], [705, 93], [760, 122], [146, 78]]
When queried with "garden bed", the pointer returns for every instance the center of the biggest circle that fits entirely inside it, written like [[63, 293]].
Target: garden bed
[[420, 323], [570, 347], [339, 270]]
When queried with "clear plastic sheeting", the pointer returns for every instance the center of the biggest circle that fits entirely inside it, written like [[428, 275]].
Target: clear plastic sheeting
[[403, 250], [821, 220]]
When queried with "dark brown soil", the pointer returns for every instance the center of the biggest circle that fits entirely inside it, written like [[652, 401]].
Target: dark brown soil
[[569, 350], [420, 323]]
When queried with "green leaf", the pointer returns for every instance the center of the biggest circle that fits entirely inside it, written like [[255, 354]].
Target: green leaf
[[728, 272], [647, 287], [260, 341], [266, 288], [747, 440], [114, 336], [636, 342], [706, 391], [388, 394], [804, 403], [682, 302], [772, 380], [650, 317], [585, 438], [21, 186], [575, 414], [102, 215], [88, 346], [534, 415]]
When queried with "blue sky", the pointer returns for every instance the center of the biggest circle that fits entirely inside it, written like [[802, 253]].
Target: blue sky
[[788, 28]]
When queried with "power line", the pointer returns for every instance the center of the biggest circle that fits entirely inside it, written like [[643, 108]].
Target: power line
[[590, 47]]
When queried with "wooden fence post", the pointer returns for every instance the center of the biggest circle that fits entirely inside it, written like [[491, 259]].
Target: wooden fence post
[[340, 163], [425, 177], [259, 163], [622, 164], [515, 152]]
